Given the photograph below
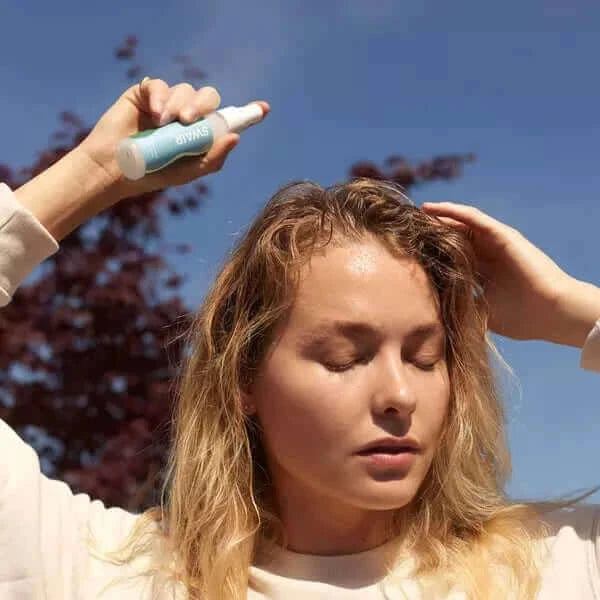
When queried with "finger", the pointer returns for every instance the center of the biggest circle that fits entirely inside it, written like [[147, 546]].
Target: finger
[[469, 215], [464, 228], [203, 102], [214, 160], [153, 94], [266, 108], [452, 222], [179, 96], [189, 168]]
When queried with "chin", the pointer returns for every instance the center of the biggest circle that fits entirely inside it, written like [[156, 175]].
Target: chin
[[388, 495]]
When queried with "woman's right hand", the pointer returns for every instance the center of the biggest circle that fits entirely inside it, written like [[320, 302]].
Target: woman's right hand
[[150, 104], [88, 180]]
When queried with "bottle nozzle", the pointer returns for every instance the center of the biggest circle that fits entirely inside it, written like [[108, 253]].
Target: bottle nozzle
[[239, 118]]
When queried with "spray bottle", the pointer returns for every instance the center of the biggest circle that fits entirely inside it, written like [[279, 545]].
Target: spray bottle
[[154, 149]]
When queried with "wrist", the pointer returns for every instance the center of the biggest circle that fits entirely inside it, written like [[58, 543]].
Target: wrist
[[578, 309], [70, 192], [106, 181]]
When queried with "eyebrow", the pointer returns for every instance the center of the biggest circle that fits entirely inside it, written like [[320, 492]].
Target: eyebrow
[[359, 330]]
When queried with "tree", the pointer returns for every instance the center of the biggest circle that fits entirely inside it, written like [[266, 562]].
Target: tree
[[90, 347], [84, 375], [397, 169]]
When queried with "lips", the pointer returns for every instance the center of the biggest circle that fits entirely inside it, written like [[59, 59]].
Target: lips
[[390, 445], [388, 450]]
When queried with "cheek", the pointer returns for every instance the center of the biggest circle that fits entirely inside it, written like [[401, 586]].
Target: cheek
[[303, 411], [434, 405]]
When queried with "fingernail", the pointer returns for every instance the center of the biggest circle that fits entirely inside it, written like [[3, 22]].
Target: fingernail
[[164, 119]]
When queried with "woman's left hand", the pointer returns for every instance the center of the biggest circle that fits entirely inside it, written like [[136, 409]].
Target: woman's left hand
[[529, 295]]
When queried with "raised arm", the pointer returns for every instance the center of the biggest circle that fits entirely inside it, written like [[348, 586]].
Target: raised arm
[[528, 294], [43, 526], [87, 180]]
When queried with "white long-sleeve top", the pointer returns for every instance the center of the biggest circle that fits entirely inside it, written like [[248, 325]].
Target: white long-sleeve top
[[43, 526]]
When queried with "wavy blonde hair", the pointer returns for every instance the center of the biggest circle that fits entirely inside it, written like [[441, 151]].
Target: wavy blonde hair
[[217, 510]]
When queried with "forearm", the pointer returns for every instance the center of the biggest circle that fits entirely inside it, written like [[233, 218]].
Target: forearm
[[578, 309], [69, 193]]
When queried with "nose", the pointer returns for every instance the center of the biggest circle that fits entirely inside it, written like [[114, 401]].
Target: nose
[[392, 391]]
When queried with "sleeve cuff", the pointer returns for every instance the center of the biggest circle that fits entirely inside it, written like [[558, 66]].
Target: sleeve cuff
[[590, 354], [24, 243]]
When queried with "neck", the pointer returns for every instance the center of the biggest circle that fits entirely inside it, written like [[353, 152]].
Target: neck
[[328, 526]]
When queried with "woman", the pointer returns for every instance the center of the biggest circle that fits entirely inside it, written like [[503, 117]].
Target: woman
[[338, 433]]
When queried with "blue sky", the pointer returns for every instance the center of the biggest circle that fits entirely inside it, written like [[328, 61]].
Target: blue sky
[[513, 82]]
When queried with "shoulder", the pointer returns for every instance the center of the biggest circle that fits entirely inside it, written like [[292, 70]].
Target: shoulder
[[581, 520], [571, 552]]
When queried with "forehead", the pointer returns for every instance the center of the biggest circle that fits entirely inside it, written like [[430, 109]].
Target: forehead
[[363, 281]]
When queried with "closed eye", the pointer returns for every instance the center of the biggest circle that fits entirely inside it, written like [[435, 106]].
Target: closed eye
[[340, 367], [426, 366]]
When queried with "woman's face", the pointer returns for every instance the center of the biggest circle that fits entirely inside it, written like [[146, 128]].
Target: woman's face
[[360, 357]]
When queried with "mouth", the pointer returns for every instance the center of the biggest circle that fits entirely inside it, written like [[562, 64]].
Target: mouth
[[396, 457], [388, 450]]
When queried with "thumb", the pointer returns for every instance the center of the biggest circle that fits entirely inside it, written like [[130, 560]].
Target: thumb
[[188, 168], [215, 158]]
